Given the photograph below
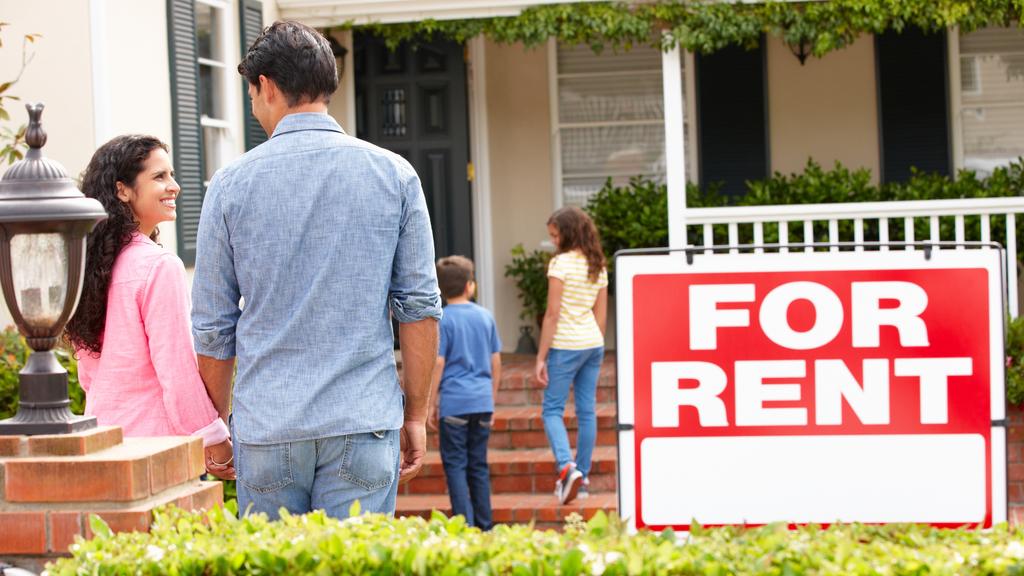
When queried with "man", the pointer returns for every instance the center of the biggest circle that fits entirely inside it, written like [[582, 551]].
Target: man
[[320, 235]]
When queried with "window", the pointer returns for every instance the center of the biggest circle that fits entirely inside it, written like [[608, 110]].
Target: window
[[609, 119], [992, 97], [212, 31]]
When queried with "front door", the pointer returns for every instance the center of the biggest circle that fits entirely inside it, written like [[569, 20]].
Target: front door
[[412, 101]]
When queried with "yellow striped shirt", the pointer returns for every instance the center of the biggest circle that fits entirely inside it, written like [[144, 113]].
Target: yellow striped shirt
[[577, 328]]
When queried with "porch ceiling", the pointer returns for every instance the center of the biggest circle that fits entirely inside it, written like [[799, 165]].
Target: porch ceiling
[[336, 12]]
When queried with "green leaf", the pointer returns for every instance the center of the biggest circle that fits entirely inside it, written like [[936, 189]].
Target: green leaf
[[99, 527], [355, 509]]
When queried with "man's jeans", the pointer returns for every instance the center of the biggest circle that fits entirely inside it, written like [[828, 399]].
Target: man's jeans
[[328, 474], [578, 368], [464, 455]]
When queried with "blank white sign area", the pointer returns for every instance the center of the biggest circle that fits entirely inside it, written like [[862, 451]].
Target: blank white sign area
[[813, 479]]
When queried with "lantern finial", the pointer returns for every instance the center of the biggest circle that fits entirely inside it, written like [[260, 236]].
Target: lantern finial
[[35, 136]]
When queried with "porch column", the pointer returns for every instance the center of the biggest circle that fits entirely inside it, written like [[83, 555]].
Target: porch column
[[675, 142]]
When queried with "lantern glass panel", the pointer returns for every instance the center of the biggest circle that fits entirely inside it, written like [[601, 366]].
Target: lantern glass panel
[[40, 274]]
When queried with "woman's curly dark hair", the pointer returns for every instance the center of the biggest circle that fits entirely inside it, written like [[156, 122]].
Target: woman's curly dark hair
[[576, 231], [120, 160]]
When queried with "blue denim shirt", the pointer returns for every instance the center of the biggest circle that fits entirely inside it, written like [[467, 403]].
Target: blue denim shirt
[[321, 235]]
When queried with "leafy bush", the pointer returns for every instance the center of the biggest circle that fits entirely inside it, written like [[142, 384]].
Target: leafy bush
[[1015, 361], [13, 354], [529, 270], [636, 215], [218, 543]]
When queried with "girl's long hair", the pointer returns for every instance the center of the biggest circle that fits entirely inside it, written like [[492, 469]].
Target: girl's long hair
[[576, 231], [120, 160]]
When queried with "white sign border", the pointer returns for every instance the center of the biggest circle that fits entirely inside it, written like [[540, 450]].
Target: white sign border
[[629, 266]]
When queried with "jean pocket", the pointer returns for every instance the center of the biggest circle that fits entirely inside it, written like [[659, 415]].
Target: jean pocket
[[264, 468], [370, 460], [456, 421]]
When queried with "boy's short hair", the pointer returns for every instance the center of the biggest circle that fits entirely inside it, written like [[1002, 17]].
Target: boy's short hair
[[454, 273]]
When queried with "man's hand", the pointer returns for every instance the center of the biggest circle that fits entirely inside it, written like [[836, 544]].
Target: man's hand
[[414, 448], [220, 461]]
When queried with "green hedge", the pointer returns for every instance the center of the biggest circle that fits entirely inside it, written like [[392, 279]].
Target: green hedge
[[13, 354], [217, 543]]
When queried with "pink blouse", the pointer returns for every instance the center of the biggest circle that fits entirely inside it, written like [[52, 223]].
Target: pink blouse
[[146, 379]]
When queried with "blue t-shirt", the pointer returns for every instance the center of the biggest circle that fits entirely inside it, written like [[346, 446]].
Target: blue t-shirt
[[469, 336]]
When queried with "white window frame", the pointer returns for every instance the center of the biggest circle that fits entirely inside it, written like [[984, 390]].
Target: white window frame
[[227, 101]]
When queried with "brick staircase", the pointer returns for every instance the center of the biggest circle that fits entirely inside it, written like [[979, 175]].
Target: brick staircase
[[521, 463]]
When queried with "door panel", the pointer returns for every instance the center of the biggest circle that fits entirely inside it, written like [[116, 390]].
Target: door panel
[[413, 101]]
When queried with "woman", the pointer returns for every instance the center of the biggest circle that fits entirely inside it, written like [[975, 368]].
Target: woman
[[572, 343], [131, 329]]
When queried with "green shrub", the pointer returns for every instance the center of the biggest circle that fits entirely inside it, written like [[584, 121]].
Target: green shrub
[[13, 354], [218, 543], [529, 271], [1015, 360]]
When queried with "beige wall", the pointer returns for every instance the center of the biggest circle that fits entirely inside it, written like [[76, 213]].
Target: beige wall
[[342, 106], [825, 109], [520, 163], [58, 75]]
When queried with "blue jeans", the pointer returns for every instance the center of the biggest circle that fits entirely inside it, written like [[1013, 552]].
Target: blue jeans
[[464, 455], [579, 369], [327, 474]]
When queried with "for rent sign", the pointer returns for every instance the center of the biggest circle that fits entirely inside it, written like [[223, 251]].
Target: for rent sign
[[811, 387]]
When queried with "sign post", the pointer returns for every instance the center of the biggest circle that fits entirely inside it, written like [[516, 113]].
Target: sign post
[[813, 387]]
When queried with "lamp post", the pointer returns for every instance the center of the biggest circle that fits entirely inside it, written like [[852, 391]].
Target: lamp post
[[44, 219]]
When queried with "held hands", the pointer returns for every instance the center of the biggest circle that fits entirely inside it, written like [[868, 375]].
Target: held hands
[[219, 460], [414, 447]]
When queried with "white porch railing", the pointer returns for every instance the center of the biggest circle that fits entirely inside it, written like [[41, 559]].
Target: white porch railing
[[873, 218]]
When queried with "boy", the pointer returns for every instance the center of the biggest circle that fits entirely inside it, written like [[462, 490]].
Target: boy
[[464, 383]]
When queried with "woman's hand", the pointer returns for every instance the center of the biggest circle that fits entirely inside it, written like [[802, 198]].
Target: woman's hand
[[540, 372], [433, 418], [220, 461]]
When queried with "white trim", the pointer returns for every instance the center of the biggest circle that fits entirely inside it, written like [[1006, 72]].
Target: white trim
[[209, 122], [348, 41], [955, 120], [483, 239], [691, 115], [320, 13], [211, 63], [219, 4], [100, 78], [675, 145], [556, 133]]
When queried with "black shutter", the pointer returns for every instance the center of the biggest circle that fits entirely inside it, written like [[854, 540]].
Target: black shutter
[[732, 121], [188, 136], [912, 103], [252, 24]]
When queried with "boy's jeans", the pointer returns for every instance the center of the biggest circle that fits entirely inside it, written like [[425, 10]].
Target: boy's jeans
[[464, 455], [580, 369], [328, 474]]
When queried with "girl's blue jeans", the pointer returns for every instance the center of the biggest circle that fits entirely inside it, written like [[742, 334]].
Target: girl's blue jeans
[[578, 369]]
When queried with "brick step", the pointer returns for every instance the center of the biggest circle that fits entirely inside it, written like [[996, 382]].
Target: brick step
[[528, 470], [522, 427], [519, 387], [542, 509]]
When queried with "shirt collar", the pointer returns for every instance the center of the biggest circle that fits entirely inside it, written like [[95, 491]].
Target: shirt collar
[[306, 121]]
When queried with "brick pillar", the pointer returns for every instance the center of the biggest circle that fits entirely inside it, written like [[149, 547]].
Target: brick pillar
[[49, 485], [1015, 464]]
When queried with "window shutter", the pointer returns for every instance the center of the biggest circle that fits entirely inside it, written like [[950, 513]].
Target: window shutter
[[732, 119], [913, 110], [252, 24], [188, 143]]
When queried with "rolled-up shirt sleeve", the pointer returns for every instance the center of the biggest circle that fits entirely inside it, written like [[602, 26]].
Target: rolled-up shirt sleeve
[[215, 291], [414, 294]]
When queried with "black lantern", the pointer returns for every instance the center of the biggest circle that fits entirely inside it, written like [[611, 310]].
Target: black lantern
[[44, 220]]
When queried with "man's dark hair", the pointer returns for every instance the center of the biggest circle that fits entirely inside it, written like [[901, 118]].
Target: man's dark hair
[[297, 58], [454, 273]]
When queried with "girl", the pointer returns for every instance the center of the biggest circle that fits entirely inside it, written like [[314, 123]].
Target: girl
[[131, 328], [572, 342]]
